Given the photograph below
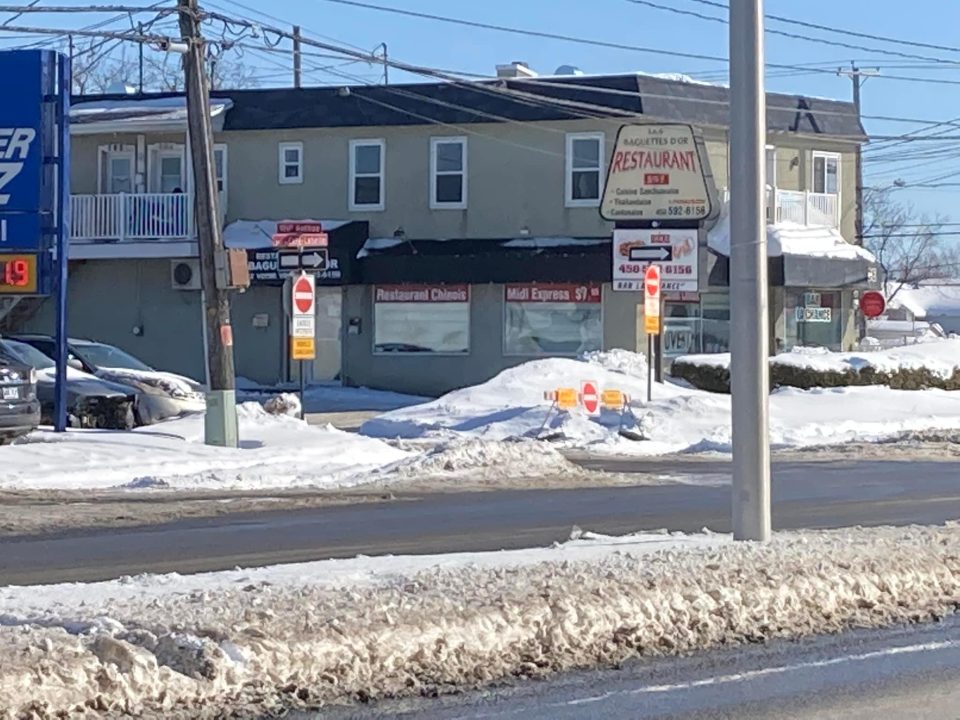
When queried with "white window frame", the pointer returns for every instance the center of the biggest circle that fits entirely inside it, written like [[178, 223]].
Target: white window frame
[[505, 322], [282, 163], [813, 169], [770, 158], [127, 153], [352, 203], [434, 174], [569, 200], [155, 178]]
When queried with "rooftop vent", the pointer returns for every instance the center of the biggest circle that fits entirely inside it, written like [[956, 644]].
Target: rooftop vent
[[516, 69]]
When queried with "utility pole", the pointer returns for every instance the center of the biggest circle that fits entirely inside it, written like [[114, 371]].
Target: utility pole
[[750, 331], [386, 65], [140, 58], [297, 58], [220, 425]]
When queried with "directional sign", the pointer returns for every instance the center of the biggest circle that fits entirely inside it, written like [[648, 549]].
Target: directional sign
[[651, 253], [673, 250], [315, 259]]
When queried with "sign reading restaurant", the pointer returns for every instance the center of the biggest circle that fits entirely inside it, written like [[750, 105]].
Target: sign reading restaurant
[[656, 173], [421, 293]]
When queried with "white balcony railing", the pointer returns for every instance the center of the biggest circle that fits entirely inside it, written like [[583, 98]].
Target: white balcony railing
[[805, 208], [147, 216]]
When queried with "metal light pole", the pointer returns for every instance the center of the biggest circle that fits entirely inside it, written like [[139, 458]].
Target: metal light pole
[[750, 346]]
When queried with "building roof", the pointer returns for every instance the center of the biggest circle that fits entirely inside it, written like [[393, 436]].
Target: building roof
[[525, 99], [929, 299], [126, 113]]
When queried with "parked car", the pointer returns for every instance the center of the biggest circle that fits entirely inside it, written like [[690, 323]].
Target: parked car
[[19, 407], [91, 402], [160, 395]]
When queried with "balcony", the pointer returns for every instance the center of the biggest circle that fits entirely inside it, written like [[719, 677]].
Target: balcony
[[803, 208], [137, 217]]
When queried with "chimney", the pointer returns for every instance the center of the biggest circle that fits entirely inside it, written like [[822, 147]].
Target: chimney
[[516, 69]]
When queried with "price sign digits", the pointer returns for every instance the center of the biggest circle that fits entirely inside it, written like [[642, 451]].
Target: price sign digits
[[16, 273]]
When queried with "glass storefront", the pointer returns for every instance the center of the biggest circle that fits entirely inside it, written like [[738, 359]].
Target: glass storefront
[[552, 319], [812, 318]]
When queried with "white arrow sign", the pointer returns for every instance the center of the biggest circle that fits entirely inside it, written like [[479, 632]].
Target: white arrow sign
[[651, 253]]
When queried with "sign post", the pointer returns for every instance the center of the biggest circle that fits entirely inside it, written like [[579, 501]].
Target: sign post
[[651, 318], [303, 325]]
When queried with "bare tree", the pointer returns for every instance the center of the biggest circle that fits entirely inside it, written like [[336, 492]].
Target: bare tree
[[101, 68], [908, 245]]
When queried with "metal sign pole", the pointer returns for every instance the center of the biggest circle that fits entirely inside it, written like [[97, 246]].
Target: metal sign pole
[[749, 366], [63, 234]]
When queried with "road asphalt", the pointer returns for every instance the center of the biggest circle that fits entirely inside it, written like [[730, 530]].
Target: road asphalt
[[805, 495], [907, 673]]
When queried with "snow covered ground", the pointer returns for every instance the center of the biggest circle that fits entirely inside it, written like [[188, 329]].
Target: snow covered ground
[[276, 451], [679, 419], [333, 397], [939, 355], [257, 641]]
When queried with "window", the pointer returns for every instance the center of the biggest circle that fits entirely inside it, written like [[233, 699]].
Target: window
[[552, 319], [812, 319], [826, 173], [220, 172], [171, 173], [448, 173], [584, 155], [421, 319], [291, 163], [366, 174], [771, 166], [120, 172]]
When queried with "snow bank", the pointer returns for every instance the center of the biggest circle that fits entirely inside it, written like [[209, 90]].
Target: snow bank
[[275, 452], [259, 641], [479, 459], [679, 419], [938, 355]]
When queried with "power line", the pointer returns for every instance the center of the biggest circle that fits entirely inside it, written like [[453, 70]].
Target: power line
[[795, 36], [827, 28]]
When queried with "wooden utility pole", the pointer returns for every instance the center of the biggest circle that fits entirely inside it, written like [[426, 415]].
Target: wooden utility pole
[[297, 59], [140, 59], [221, 417]]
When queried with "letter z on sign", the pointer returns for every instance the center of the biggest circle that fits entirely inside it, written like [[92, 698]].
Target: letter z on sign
[[14, 148]]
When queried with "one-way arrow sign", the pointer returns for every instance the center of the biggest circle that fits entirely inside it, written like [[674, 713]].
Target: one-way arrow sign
[[310, 260], [651, 252]]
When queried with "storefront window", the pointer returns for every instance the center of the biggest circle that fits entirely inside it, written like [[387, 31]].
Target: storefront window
[[715, 309], [552, 319], [421, 319], [812, 319], [681, 329]]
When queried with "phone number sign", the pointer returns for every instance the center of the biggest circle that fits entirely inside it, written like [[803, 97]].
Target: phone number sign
[[673, 251]]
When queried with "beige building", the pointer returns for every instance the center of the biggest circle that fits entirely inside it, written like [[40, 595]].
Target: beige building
[[464, 228]]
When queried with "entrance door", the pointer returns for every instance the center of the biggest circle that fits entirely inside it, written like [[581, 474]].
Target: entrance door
[[326, 366]]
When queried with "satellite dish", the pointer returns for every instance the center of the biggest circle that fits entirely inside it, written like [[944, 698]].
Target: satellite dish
[[568, 70]]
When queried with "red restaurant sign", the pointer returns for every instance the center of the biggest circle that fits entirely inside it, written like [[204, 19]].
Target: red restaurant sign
[[421, 293], [553, 293]]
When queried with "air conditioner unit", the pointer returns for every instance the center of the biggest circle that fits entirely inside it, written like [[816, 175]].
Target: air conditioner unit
[[185, 274]]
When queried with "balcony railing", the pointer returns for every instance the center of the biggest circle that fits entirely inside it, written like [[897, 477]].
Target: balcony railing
[[805, 208], [146, 216]]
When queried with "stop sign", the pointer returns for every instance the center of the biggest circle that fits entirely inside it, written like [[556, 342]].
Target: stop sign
[[590, 396], [303, 297], [651, 282], [872, 304]]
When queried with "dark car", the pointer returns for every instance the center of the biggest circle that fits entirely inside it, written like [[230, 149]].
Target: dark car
[[91, 402], [19, 407]]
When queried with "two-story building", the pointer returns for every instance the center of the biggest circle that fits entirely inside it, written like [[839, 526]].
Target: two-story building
[[463, 220]]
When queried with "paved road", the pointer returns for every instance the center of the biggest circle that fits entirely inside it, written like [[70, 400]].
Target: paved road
[[909, 673], [809, 495]]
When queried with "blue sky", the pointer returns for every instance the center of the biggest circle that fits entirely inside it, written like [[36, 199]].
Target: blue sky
[[455, 48]]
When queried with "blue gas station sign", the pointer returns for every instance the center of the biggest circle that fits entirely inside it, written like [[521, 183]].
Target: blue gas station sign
[[35, 187]]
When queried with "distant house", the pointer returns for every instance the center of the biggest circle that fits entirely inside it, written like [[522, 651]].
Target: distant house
[[936, 302]]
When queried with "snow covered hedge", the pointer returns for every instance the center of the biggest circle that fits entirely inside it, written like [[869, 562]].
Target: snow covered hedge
[[917, 367]]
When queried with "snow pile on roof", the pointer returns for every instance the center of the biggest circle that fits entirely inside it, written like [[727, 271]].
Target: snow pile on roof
[[929, 299], [256, 642], [275, 452], [788, 238], [940, 356], [680, 419], [135, 111], [258, 234], [552, 242], [174, 385]]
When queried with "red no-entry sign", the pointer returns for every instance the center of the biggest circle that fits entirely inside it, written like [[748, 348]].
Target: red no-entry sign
[[303, 297], [590, 396]]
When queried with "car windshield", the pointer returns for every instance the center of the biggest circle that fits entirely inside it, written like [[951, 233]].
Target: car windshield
[[108, 356], [28, 354]]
